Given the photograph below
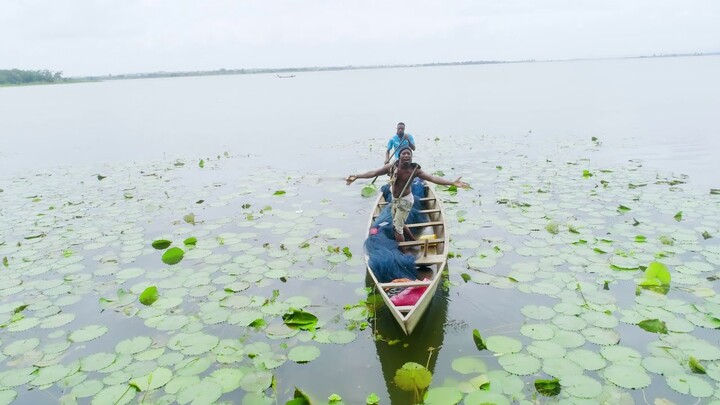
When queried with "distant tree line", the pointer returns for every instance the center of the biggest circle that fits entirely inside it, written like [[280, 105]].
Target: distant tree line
[[17, 76]]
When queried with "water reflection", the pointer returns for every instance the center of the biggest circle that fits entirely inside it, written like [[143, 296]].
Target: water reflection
[[394, 348]]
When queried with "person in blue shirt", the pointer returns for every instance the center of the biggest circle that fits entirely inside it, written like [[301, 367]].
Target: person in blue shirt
[[399, 140]]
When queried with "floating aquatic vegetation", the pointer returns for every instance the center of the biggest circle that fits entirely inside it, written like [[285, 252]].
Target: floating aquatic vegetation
[[149, 295], [95, 252]]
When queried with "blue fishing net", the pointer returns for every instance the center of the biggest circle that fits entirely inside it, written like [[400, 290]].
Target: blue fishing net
[[385, 258]]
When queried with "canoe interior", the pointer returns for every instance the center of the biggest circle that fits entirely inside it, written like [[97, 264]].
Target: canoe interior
[[431, 259]]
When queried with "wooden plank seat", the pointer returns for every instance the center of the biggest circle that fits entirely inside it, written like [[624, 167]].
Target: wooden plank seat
[[383, 203], [430, 211], [423, 224], [422, 242], [405, 284], [430, 259]]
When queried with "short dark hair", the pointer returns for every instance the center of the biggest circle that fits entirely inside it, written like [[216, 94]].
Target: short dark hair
[[401, 123]]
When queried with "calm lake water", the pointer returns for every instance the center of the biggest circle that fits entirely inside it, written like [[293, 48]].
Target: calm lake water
[[661, 111], [519, 133]]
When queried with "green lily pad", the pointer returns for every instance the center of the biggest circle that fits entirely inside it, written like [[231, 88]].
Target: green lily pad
[[300, 320], [545, 350], [256, 381], [149, 296], [626, 375], [87, 388], [57, 320], [18, 377], [303, 354], [154, 380], [412, 377], [192, 366], [587, 359], [228, 378], [7, 396], [51, 374], [601, 336], [469, 365], [538, 312], [87, 333], [479, 342], [485, 397], [503, 344], [193, 344], [443, 396], [560, 367], [368, 190], [653, 325], [97, 361], [21, 346], [116, 395], [179, 383], [173, 256], [537, 331], [520, 363], [662, 365], [161, 244], [581, 386], [548, 388], [133, 345], [690, 384]]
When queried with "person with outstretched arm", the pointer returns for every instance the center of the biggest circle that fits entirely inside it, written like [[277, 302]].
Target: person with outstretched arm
[[402, 172]]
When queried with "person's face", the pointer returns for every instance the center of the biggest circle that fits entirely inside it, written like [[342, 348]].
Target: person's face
[[406, 156], [401, 130]]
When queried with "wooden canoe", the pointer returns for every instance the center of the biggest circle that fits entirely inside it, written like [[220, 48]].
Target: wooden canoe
[[431, 250]]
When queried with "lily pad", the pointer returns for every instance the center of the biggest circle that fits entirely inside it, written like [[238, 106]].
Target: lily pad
[[154, 380], [443, 396], [503, 344], [133, 345], [116, 395], [149, 296], [412, 377], [520, 363], [469, 365], [690, 384], [303, 354], [581, 386], [87, 333], [626, 375], [173, 256]]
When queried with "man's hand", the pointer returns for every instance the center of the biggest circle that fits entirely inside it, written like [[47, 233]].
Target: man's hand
[[350, 179], [458, 183]]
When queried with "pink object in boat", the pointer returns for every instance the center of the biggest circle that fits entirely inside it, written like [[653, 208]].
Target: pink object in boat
[[408, 296]]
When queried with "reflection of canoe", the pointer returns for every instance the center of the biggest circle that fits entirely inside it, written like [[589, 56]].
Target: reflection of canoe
[[422, 347], [431, 256]]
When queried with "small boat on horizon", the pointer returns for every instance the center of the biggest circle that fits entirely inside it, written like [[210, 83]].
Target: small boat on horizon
[[285, 76]]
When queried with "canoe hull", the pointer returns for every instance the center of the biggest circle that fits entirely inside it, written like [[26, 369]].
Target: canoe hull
[[431, 257]]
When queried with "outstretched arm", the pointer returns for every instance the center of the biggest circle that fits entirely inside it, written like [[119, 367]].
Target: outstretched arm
[[440, 180], [372, 173]]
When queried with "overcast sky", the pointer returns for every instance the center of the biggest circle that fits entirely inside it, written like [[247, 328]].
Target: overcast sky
[[99, 37]]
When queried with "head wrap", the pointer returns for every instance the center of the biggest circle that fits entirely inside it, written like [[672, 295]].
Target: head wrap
[[402, 148]]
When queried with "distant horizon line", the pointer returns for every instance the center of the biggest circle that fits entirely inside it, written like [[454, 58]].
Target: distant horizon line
[[164, 73]]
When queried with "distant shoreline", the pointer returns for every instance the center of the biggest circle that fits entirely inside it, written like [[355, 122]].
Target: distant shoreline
[[279, 71]]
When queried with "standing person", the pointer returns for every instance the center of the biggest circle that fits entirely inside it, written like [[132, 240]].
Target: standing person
[[402, 172], [399, 140]]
